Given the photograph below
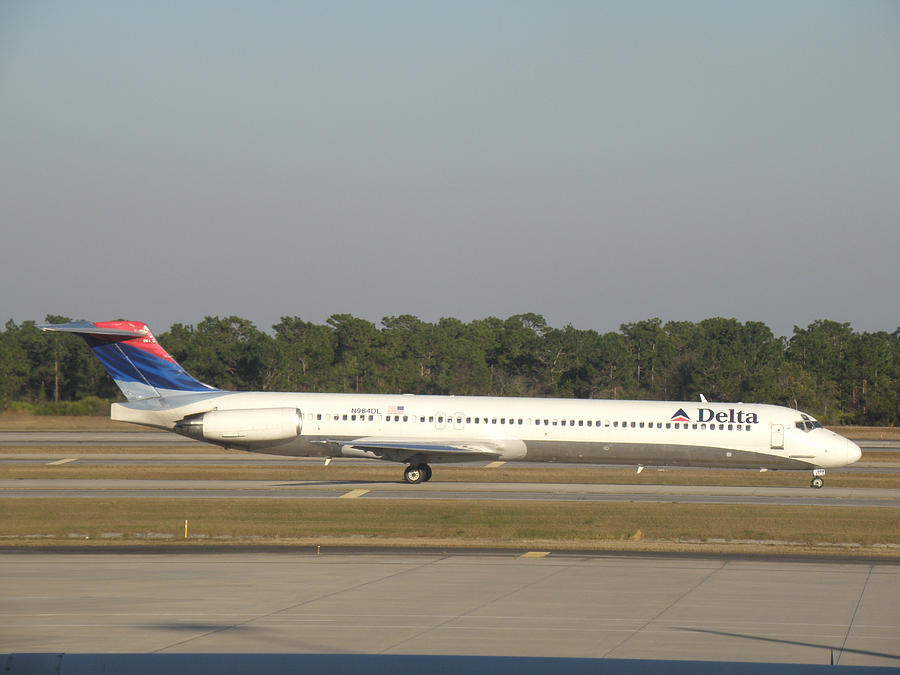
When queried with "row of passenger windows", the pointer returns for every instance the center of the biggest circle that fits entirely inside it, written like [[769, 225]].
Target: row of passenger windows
[[545, 422]]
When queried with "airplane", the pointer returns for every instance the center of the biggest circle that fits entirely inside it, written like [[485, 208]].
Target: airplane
[[419, 430]]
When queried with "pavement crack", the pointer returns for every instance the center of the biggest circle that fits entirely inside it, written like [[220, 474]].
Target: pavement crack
[[665, 609], [475, 608], [295, 605], [853, 618]]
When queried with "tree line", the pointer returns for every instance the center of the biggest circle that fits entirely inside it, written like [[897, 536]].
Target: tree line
[[837, 374]]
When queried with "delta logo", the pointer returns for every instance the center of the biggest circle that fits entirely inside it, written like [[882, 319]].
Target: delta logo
[[709, 415], [681, 416]]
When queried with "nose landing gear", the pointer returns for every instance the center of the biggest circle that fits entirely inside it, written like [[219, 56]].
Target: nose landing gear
[[417, 473], [818, 478]]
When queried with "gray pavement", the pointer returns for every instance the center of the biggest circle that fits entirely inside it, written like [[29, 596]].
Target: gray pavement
[[644, 607], [100, 438], [257, 489], [188, 458]]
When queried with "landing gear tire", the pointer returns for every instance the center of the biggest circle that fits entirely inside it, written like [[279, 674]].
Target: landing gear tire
[[416, 473], [427, 470], [817, 482]]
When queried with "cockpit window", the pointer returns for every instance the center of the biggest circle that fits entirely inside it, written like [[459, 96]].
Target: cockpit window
[[808, 424]]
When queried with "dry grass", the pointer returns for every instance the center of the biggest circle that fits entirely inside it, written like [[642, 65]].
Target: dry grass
[[391, 473], [509, 524], [16, 421], [869, 433]]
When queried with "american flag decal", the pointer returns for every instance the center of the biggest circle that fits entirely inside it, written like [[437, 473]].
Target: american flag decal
[[395, 409]]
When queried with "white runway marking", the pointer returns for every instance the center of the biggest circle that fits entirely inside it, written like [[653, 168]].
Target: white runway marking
[[62, 461]]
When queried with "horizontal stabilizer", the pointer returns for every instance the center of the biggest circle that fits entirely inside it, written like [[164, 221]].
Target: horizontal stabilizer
[[88, 328]]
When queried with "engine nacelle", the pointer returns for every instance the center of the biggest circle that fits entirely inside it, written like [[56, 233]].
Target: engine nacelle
[[243, 427]]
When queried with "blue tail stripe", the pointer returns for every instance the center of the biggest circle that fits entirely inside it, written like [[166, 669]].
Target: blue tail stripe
[[128, 364]]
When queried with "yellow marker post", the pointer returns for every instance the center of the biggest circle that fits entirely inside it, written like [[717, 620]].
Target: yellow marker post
[[185, 529]]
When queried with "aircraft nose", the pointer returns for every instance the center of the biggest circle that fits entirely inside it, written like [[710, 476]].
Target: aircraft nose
[[853, 451]]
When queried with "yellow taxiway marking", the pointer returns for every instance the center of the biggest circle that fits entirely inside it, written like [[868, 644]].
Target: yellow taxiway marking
[[494, 465], [353, 494], [535, 554], [63, 461]]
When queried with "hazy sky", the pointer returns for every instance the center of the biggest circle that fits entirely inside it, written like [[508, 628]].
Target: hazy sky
[[595, 162]]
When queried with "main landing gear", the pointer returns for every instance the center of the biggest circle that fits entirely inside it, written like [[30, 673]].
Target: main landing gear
[[818, 478], [417, 473]]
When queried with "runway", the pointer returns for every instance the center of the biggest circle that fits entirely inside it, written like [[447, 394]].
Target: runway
[[563, 605], [98, 438], [75, 448], [560, 492]]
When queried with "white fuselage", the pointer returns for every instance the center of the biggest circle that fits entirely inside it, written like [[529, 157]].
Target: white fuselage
[[735, 435]]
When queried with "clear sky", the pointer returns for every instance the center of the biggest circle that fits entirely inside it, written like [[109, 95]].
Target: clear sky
[[594, 162]]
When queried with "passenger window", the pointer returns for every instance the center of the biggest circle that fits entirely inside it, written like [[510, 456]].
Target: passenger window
[[431, 418], [319, 416], [345, 418], [669, 425], [520, 420], [642, 425], [352, 418]]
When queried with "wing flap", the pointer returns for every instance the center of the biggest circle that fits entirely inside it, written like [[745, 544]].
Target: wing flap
[[403, 450]]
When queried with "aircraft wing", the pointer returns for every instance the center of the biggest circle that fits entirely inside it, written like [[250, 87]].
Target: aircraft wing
[[403, 450]]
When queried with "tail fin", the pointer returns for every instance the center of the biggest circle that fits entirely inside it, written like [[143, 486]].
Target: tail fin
[[133, 358]]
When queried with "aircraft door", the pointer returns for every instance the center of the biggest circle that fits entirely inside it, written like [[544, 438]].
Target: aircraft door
[[777, 436]]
